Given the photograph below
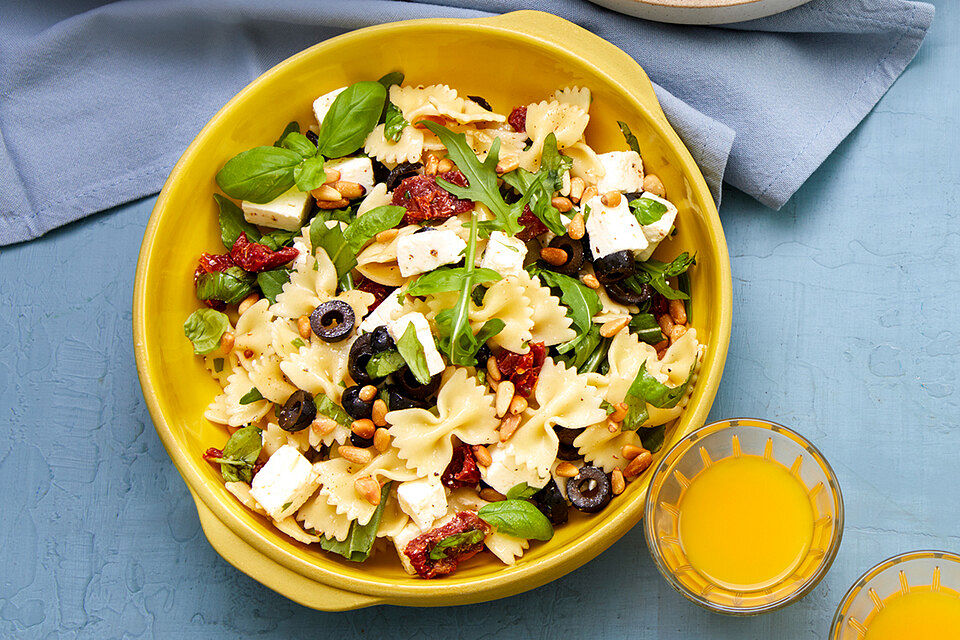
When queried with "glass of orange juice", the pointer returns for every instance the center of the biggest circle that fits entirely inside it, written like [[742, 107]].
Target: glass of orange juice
[[912, 595], [744, 516]]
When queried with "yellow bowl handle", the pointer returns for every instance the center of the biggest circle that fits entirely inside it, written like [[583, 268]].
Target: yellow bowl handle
[[275, 576]]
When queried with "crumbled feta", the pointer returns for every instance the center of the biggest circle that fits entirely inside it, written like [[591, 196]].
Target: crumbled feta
[[322, 104], [427, 250], [503, 477], [359, 170], [383, 314], [504, 254], [613, 229], [623, 171], [396, 328], [286, 211], [424, 500], [658, 230], [284, 483]]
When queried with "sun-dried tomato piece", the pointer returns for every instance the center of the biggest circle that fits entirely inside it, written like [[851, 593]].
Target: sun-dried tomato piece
[[424, 199], [212, 454], [522, 369], [532, 225], [437, 119], [462, 470], [418, 549], [255, 257], [379, 291], [518, 119], [211, 263]]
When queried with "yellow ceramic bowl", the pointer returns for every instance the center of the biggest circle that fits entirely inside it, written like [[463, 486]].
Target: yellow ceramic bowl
[[511, 59]]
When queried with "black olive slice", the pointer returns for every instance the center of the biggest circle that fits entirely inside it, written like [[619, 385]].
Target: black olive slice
[[568, 452], [480, 101], [380, 171], [381, 340], [407, 384], [357, 441], [396, 401], [589, 491], [332, 320], [400, 172], [360, 353], [297, 412], [550, 502], [567, 436], [624, 294], [614, 267], [353, 405], [573, 249]]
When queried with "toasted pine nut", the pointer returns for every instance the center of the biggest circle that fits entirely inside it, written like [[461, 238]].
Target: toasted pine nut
[[482, 455], [576, 229], [445, 165], [387, 235], [612, 426], [493, 371], [327, 193], [364, 428], [349, 190], [430, 166], [589, 192], [613, 327], [506, 165], [508, 427], [368, 488], [638, 465], [379, 413], [518, 404], [226, 341], [611, 199], [590, 280], [333, 204], [663, 344], [554, 255], [678, 311], [561, 204], [323, 425], [381, 440], [677, 332], [661, 353], [367, 393], [248, 302], [303, 326], [332, 175], [617, 483], [493, 384], [491, 495], [630, 451], [356, 454], [505, 393], [652, 184], [567, 470], [576, 189], [619, 412], [666, 324]]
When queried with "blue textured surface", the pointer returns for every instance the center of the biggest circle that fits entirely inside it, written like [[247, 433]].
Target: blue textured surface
[[846, 328]]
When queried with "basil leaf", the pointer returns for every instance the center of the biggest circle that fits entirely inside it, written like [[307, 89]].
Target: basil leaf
[[271, 283], [366, 226], [652, 437], [517, 518], [448, 279], [240, 454], [332, 410], [393, 123], [309, 174], [331, 240], [359, 542], [647, 210], [233, 223], [352, 116], [293, 125], [629, 137], [296, 141], [647, 328], [452, 544], [204, 328], [276, 239], [392, 78], [382, 364], [258, 175], [644, 390], [251, 396], [298, 342], [230, 286], [521, 491], [581, 301], [218, 364], [412, 351]]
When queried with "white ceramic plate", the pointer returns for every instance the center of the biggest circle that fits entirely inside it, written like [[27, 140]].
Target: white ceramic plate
[[700, 11]]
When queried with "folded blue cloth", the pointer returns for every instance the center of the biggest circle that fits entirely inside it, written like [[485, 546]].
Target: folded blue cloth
[[98, 102]]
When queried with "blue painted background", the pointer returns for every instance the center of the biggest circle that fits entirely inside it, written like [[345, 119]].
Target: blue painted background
[[846, 328]]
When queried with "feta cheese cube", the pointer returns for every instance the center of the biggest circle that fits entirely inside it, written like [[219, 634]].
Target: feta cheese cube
[[359, 170], [623, 171], [658, 230], [401, 540], [504, 254], [284, 483], [503, 477], [383, 314], [396, 328], [425, 251], [424, 500], [322, 104], [286, 211], [613, 229]]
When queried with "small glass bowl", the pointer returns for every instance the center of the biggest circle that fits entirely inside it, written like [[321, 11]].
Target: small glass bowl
[[742, 436], [932, 570]]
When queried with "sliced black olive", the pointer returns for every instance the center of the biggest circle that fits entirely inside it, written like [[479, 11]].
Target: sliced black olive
[[380, 170], [480, 101], [360, 353], [401, 172], [483, 354], [381, 340], [589, 491], [357, 441], [550, 502], [573, 249], [567, 436], [568, 452], [423, 230], [396, 401], [353, 405], [312, 137], [297, 412], [317, 455], [407, 384], [332, 320], [614, 267], [624, 294]]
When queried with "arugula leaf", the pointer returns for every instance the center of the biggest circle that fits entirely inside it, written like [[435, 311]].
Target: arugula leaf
[[652, 437], [412, 351], [331, 240], [645, 389], [366, 226], [448, 279], [382, 364], [204, 328], [309, 174], [352, 116], [233, 223], [576, 352], [298, 342], [521, 491], [276, 239], [683, 286], [332, 410], [647, 210], [356, 547], [453, 543], [271, 283], [647, 328], [392, 78], [251, 396], [296, 141], [656, 273], [230, 286], [260, 174], [240, 454], [394, 124], [552, 164], [629, 137], [606, 406], [597, 358], [581, 301], [532, 188], [293, 125], [517, 518]]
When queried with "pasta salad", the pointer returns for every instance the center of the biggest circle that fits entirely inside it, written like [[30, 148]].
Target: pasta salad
[[440, 325]]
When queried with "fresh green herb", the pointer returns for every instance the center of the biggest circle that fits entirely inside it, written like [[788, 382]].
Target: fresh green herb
[[352, 116], [233, 223], [452, 544], [644, 390], [647, 210], [329, 408], [517, 518], [204, 328], [538, 188], [329, 237], [356, 547], [251, 396], [382, 364], [260, 174], [477, 294], [309, 174], [521, 491], [629, 137], [552, 164], [365, 227], [449, 279], [576, 352], [481, 376], [286, 505], [647, 328], [392, 78], [276, 239], [230, 286], [411, 349], [240, 455], [581, 301], [652, 437], [597, 359], [218, 364], [394, 123], [291, 127], [271, 283], [298, 342], [656, 273], [606, 406], [586, 212], [683, 286], [299, 143]]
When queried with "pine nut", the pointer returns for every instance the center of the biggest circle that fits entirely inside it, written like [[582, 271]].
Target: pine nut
[[504, 397], [445, 165], [493, 384], [491, 495], [611, 199], [613, 327], [387, 235], [482, 455], [430, 166], [226, 341], [508, 426], [332, 175], [619, 412], [364, 428], [379, 413], [248, 302], [567, 470], [666, 324], [663, 344], [303, 326], [652, 184], [327, 193], [561, 204], [554, 255], [590, 280], [349, 190], [630, 451], [506, 165], [577, 228], [589, 192], [381, 440], [617, 482], [576, 189], [333, 204], [677, 332], [368, 488], [367, 393], [518, 404], [678, 311], [638, 465], [612, 427], [323, 425], [356, 454], [493, 371], [661, 353]]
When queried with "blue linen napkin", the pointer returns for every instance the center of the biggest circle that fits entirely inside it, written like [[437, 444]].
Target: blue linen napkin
[[98, 102]]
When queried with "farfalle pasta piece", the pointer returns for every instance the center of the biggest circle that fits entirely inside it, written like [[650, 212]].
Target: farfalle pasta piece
[[512, 143], [566, 122], [338, 475], [319, 367], [417, 102], [273, 437], [586, 163], [221, 366], [579, 96], [291, 527], [601, 448], [408, 148], [266, 376], [226, 408], [377, 197], [285, 337], [312, 281], [378, 261], [551, 324], [322, 517], [464, 410], [506, 547], [253, 336], [241, 491]]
